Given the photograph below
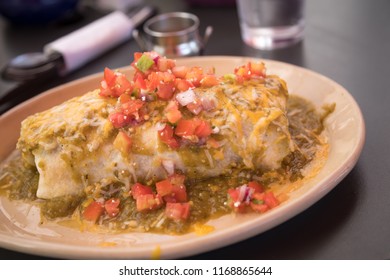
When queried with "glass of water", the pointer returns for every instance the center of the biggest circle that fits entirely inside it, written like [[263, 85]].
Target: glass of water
[[271, 24]]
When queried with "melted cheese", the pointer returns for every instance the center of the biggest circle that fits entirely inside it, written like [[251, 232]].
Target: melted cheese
[[71, 145]]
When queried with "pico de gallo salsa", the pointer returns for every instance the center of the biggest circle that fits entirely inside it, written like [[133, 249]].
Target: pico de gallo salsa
[[158, 78]]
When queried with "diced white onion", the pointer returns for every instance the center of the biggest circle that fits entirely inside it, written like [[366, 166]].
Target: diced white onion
[[242, 193], [160, 126], [245, 194], [249, 194], [186, 97], [215, 130], [169, 166]]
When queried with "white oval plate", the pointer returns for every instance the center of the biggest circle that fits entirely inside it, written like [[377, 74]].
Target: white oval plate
[[19, 224]]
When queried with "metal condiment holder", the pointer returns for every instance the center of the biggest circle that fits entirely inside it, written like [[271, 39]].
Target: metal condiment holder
[[173, 35]]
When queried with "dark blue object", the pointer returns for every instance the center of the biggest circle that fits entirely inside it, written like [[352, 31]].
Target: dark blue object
[[36, 11]]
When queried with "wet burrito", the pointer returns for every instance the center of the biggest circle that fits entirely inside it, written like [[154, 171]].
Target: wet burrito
[[170, 148]]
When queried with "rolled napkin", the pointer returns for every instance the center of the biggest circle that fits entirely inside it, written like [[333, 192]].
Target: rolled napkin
[[87, 43]]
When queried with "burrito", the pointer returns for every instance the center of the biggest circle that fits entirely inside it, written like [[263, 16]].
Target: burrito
[[173, 145]]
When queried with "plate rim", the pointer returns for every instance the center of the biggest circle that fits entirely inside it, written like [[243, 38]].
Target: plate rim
[[269, 219]]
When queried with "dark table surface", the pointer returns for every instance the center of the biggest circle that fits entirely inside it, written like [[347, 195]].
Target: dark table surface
[[348, 41]]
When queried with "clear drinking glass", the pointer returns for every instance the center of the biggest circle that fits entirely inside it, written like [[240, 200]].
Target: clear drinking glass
[[271, 24]]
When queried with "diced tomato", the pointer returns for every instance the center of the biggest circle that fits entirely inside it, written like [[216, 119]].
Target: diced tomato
[[164, 64], [172, 189], [173, 116], [177, 211], [118, 119], [107, 83], [257, 203], [243, 70], [195, 107], [262, 202], [194, 75], [137, 55], [209, 81], [172, 105], [256, 186], [132, 106], [233, 194], [138, 189], [249, 70], [139, 81], [148, 202], [127, 112], [234, 202], [112, 206], [270, 200], [165, 90], [257, 69], [163, 77], [164, 187], [124, 98], [177, 179], [163, 83], [173, 113], [109, 76], [191, 127], [153, 80], [105, 91], [180, 71], [167, 137], [123, 142], [179, 191], [170, 199], [178, 194], [203, 129], [122, 85], [93, 211], [183, 85], [186, 127], [251, 194], [114, 84], [258, 198]]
